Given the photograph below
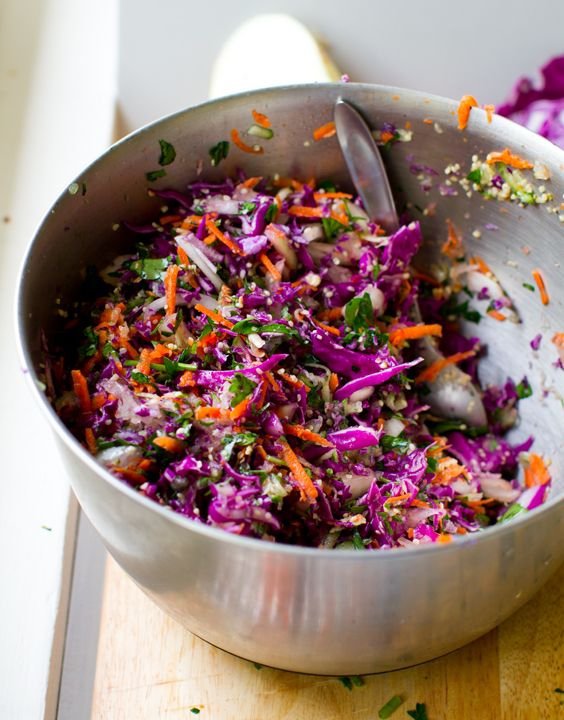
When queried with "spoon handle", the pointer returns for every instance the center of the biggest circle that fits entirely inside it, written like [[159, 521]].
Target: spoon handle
[[365, 165]]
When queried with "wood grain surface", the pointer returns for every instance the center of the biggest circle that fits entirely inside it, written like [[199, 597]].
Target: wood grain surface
[[148, 668]]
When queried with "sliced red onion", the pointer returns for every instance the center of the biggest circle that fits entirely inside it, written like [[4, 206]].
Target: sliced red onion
[[494, 486], [200, 260], [355, 438], [376, 378], [533, 497]]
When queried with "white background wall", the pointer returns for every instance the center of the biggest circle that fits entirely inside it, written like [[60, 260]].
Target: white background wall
[[447, 47]]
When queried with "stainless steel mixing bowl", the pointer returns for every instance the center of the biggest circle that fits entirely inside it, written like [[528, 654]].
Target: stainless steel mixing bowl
[[322, 611]]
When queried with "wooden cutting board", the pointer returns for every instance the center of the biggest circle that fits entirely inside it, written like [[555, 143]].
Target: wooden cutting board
[[149, 667]]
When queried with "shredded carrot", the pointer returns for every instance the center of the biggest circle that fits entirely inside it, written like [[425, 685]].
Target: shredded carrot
[[236, 139], [261, 451], [251, 182], [430, 373], [216, 317], [444, 538], [272, 381], [490, 109], [331, 313], [210, 239], [167, 219], [80, 387], [204, 412], [131, 351], [324, 131], [328, 328], [271, 267], [414, 332], [537, 275], [482, 264], [187, 379], [192, 220], [397, 498], [333, 382], [420, 503], [183, 256], [536, 472], [410, 533], [558, 340], [170, 444], [132, 475], [340, 217], [90, 439], [449, 469], [294, 383], [418, 275], [428, 121], [496, 315], [452, 247], [304, 434], [240, 409], [307, 489], [303, 211], [508, 158], [225, 239], [170, 279], [320, 196], [466, 104], [98, 399], [386, 136], [261, 119], [111, 315]]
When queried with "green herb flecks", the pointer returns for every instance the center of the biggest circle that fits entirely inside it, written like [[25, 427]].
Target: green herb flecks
[[241, 387], [390, 707], [420, 712], [149, 268], [247, 208], [155, 175], [359, 312], [452, 309], [168, 153], [514, 510], [398, 444], [357, 541], [331, 227], [529, 287], [523, 389], [140, 377], [248, 326], [271, 213], [219, 152], [230, 442], [351, 682]]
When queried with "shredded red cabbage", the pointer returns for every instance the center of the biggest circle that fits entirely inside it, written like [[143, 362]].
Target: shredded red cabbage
[[238, 370]]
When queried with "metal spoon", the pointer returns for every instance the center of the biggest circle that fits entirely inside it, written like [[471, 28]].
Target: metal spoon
[[452, 393]]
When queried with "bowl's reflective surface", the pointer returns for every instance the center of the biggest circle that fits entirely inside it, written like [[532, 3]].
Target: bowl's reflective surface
[[293, 608]]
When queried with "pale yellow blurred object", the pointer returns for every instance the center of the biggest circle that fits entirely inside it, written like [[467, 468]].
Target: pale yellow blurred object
[[267, 51]]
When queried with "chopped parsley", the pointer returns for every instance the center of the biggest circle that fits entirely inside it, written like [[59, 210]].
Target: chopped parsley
[[523, 389], [420, 712], [241, 387], [219, 152], [155, 175], [168, 153], [359, 312]]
